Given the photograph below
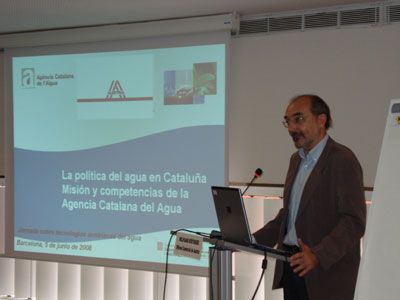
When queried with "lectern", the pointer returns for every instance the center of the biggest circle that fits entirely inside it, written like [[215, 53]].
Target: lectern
[[220, 265]]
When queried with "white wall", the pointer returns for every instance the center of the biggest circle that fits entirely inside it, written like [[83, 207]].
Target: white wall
[[355, 70]]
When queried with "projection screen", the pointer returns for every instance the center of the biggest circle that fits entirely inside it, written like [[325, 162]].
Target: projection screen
[[113, 144]]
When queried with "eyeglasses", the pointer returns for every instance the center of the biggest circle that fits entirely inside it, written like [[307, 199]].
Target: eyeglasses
[[295, 120]]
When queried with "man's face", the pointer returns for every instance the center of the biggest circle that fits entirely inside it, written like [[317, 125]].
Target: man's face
[[305, 128]]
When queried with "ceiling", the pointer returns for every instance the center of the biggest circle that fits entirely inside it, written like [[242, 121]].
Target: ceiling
[[32, 15]]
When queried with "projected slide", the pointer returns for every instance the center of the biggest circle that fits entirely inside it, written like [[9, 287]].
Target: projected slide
[[113, 150]]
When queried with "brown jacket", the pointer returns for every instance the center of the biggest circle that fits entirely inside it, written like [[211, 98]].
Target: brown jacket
[[331, 221]]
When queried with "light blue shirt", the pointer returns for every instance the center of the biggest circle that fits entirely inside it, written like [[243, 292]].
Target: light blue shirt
[[306, 166]]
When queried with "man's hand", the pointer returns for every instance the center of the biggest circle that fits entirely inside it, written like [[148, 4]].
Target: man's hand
[[304, 260]]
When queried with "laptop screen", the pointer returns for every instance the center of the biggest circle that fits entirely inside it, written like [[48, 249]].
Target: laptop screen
[[231, 215]]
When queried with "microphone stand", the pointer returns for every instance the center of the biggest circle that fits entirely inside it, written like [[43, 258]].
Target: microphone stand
[[254, 178]]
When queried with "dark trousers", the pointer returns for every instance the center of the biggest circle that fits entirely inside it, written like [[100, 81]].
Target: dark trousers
[[294, 287]]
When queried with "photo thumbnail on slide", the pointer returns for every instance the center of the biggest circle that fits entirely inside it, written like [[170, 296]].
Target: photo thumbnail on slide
[[190, 86]]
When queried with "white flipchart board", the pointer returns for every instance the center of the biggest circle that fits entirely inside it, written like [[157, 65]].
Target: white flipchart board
[[379, 274]]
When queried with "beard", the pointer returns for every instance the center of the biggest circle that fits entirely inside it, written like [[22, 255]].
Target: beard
[[295, 137]]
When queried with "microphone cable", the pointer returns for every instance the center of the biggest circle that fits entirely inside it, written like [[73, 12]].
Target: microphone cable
[[169, 243], [211, 262], [264, 267]]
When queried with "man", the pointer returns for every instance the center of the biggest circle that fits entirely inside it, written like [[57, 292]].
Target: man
[[323, 215]]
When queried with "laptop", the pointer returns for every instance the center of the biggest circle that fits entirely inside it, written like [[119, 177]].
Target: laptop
[[232, 219]]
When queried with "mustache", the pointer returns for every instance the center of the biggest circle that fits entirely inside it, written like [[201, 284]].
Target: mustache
[[296, 134]]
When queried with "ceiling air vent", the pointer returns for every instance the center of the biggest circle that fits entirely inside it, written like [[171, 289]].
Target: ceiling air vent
[[334, 17], [393, 13], [324, 19], [360, 16], [285, 23], [253, 26]]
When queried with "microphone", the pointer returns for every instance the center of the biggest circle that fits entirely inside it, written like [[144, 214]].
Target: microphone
[[257, 174]]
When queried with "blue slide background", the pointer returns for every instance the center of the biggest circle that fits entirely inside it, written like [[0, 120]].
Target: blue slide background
[[181, 151]]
